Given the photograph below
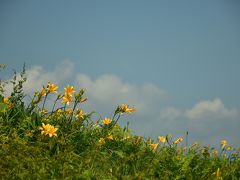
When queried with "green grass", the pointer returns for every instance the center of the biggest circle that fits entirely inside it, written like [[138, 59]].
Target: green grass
[[82, 148]]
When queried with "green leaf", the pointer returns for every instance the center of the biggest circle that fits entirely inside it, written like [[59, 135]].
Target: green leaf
[[119, 153], [3, 107]]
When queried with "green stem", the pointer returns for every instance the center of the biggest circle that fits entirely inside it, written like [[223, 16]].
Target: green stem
[[74, 107], [187, 138], [45, 98], [116, 120], [54, 105]]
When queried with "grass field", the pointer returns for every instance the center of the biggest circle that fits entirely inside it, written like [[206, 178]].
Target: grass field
[[63, 142]]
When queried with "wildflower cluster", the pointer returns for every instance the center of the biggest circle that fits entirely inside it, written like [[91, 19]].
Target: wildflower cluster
[[62, 141], [57, 113], [68, 97]]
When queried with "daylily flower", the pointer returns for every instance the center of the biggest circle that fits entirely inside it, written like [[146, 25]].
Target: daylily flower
[[162, 139], [7, 101], [124, 108], [178, 140], [69, 111], [153, 146], [52, 87], [101, 141], [110, 137], [106, 121], [48, 130], [223, 143], [44, 111], [43, 93], [69, 89], [80, 114], [217, 174], [215, 153], [67, 98]]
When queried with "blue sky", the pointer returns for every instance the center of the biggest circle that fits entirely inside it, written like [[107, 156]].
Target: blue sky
[[180, 58]]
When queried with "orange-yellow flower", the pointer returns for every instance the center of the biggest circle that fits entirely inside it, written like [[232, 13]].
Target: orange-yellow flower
[[124, 108], [162, 139], [7, 101], [106, 121], [67, 98], [69, 89], [223, 143], [52, 87], [48, 130], [84, 99], [185, 149], [101, 141], [59, 111], [215, 153], [80, 114], [218, 174], [110, 137], [178, 140], [44, 111], [69, 111], [43, 93], [153, 145]]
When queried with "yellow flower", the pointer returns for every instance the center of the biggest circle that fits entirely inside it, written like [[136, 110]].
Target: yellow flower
[[52, 87], [178, 140], [59, 111], [218, 174], [69, 111], [162, 139], [80, 114], [110, 137], [229, 148], [69, 90], [101, 141], [195, 144], [84, 99], [43, 93], [215, 153], [223, 143], [44, 111], [67, 98], [48, 130], [138, 140], [124, 108], [179, 150], [106, 121], [153, 146], [7, 101], [185, 149]]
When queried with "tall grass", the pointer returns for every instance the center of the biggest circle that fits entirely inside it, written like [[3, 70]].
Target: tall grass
[[65, 143]]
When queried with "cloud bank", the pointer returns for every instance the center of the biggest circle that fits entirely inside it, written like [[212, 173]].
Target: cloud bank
[[207, 121], [37, 76]]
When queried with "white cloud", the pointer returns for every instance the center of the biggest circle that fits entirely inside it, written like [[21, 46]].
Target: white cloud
[[170, 113], [210, 109], [109, 90]]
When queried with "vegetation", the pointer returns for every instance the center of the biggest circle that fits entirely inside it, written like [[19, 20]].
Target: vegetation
[[63, 142]]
